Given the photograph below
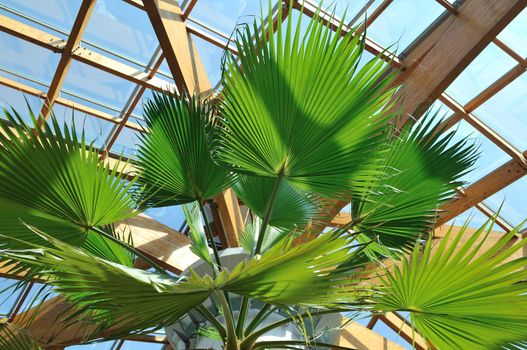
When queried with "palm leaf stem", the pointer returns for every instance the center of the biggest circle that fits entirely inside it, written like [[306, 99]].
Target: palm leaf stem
[[251, 339], [260, 316], [211, 239], [213, 320], [268, 212], [231, 343], [244, 308], [130, 248], [283, 344]]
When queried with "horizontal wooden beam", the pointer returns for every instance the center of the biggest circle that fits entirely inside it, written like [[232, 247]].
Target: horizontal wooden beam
[[81, 54], [356, 336], [67, 103]]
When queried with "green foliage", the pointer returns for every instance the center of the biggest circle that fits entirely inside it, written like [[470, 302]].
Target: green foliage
[[292, 207], [421, 171], [309, 274], [173, 157], [299, 106], [273, 236], [200, 246], [111, 295], [462, 295], [53, 180], [14, 338]]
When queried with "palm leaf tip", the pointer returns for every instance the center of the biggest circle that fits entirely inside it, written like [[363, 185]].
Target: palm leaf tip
[[462, 295], [54, 180], [300, 107], [174, 157]]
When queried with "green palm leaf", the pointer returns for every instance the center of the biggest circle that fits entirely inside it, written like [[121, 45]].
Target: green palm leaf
[[200, 246], [272, 236], [14, 338], [298, 106], [421, 171], [118, 298], [173, 157], [292, 207], [309, 274], [53, 180], [458, 299]]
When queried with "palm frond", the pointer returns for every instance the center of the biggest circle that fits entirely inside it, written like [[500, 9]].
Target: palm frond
[[173, 157], [120, 299], [53, 180], [310, 274], [292, 207], [300, 107], [273, 235], [421, 171], [14, 338], [461, 295]]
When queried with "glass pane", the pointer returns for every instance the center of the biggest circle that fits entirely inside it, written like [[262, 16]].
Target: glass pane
[[57, 13], [211, 58], [122, 28], [170, 216], [96, 130], [490, 65], [490, 155], [28, 59], [512, 197], [107, 345], [135, 345], [16, 99], [506, 112], [402, 22], [126, 143], [515, 34], [390, 334], [352, 8], [224, 15], [97, 85], [8, 296]]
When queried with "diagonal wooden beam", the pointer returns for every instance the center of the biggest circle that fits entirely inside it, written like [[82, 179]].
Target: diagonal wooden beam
[[459, 37], [171, 31], [74, 39]]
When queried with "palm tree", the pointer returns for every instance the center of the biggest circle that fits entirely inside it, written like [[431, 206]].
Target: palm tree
[[300, 118]]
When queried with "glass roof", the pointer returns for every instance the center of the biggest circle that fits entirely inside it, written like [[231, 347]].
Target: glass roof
[[123, 32]]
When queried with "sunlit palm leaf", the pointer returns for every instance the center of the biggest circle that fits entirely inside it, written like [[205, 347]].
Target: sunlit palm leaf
[[273, 236], [458, 299], [200, 246], [120, 299], [308, 274], [423, 167], [53, 180], [299, 106], [292, 207], [174, 157]]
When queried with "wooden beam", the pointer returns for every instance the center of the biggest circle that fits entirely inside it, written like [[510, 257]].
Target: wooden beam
[[171, 31], [404, 329], [459, 37], [74, 39], [482, 189], [356, 336], [81, 54]]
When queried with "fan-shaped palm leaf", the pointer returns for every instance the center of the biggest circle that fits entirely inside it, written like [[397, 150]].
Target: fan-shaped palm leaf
[[292, 207], [174, 157], [421, 170], [53, 180], [299, 106], [460, 296]]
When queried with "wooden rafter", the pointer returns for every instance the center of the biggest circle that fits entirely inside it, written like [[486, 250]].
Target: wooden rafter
[[74, 39]]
